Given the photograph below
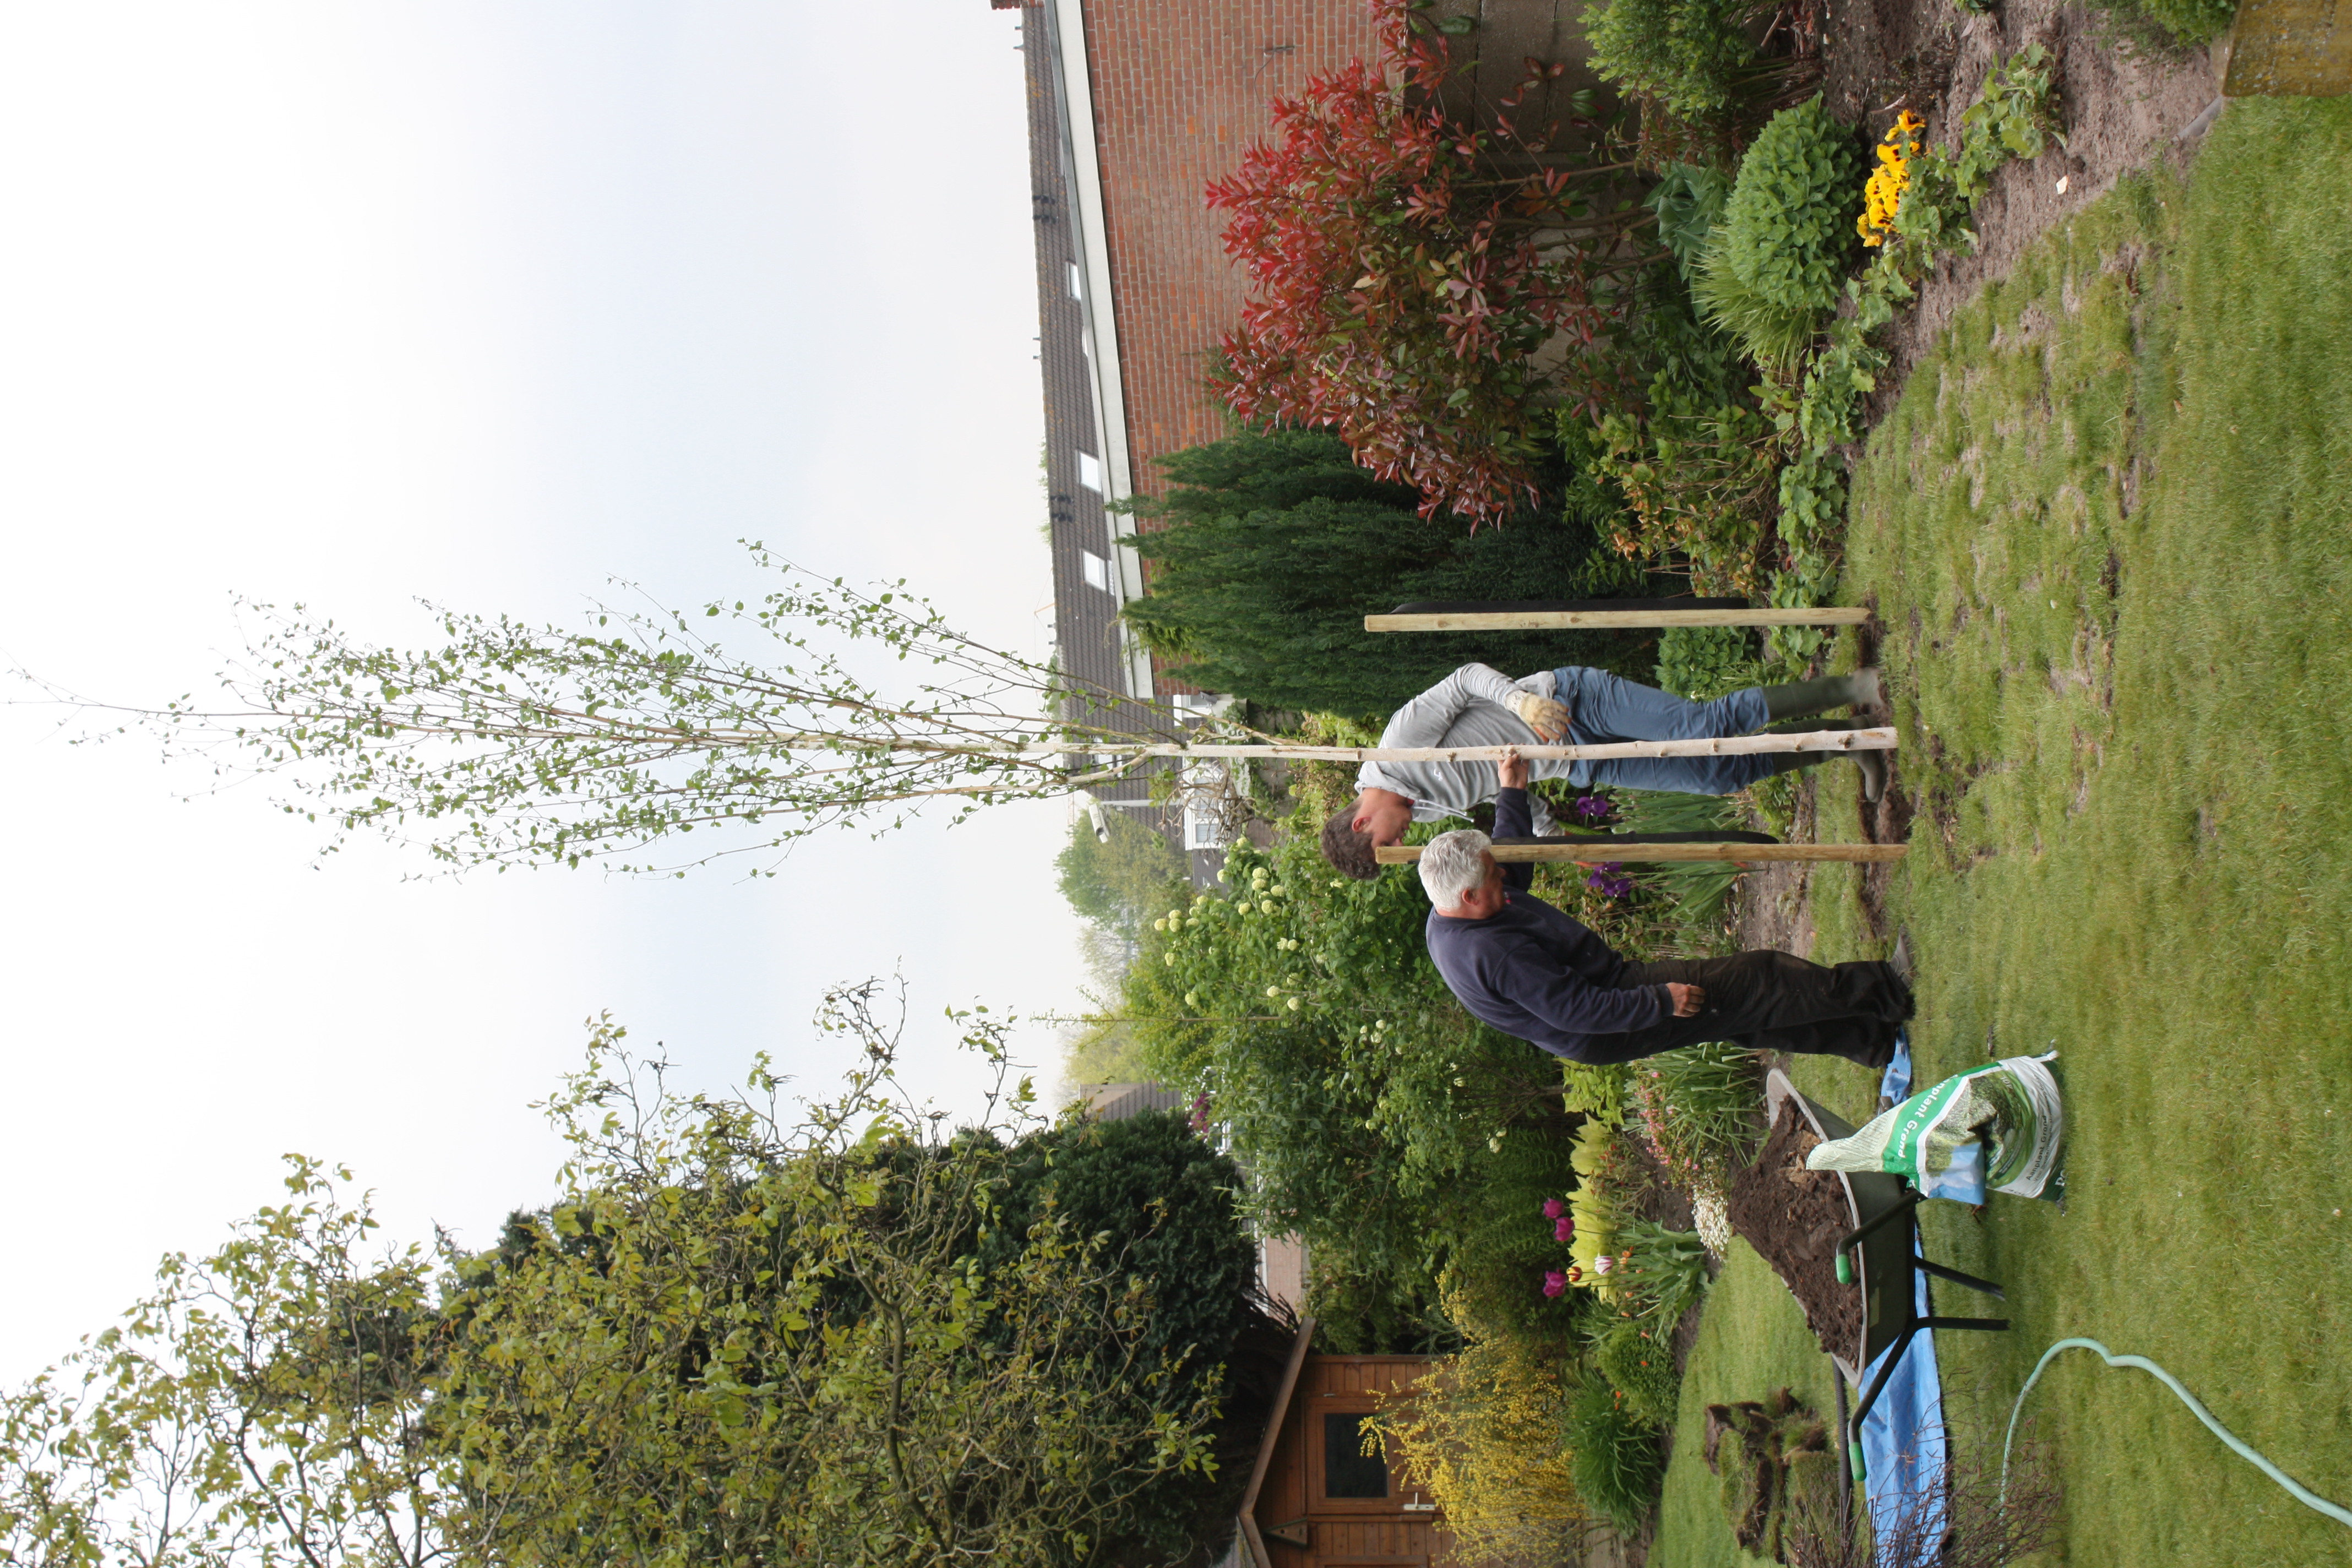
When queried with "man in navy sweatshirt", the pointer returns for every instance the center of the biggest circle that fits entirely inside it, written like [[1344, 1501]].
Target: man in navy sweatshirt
[[1521, 965]]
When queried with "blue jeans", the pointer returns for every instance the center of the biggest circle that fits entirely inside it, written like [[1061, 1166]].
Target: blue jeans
[[1609, 708]]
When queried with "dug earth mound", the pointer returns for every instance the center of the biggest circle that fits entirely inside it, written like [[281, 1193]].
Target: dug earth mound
[[1794, 1219]]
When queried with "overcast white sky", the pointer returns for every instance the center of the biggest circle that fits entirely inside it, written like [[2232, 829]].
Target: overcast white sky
[[480, 301]]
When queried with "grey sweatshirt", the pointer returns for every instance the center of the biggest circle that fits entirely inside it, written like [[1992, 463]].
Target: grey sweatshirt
[[1466, 709]]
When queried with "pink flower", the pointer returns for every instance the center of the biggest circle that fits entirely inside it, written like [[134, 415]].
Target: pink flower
[[1554, 1208], [1603, 1263], [1564, 1228], [1554, 1282]]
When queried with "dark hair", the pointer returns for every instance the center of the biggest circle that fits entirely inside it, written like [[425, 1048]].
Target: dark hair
[[1349, 852]]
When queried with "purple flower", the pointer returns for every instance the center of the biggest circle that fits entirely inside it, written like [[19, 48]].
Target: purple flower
[[1592, 807], [1554, 1208], [1199, 1113], [1555, 1282], [1563, 1229], [1605, 881]]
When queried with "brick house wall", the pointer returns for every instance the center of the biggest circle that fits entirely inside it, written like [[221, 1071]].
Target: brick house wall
[[1179, 92]]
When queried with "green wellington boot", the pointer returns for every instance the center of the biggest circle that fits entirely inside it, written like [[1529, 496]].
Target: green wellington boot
[[1871, 764], [1802, 699]]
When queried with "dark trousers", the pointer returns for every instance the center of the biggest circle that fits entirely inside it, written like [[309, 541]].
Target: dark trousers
[[1771, 1001]]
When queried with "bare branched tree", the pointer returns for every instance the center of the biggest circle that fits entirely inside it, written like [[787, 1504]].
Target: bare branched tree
[[1956, 1518]]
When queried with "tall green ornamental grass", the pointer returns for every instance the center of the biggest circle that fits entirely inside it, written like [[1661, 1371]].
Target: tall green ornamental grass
[[1698, 889], [1775, 336], [1789, 229], [1699, 1106]]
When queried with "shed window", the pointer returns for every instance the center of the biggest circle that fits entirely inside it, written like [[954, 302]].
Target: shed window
[[1074, 291], [1090, 471], [1347, 1470], [1098, 571]]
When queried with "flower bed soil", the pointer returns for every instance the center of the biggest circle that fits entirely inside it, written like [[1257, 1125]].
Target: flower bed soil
[[1793, 1218]]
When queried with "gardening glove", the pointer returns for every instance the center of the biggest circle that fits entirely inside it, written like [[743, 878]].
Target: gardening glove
[[1547, 718]]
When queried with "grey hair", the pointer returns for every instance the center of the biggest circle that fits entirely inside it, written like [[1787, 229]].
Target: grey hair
[[1453, 865]]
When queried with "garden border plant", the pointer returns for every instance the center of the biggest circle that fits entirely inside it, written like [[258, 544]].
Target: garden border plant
[[2013, 118]]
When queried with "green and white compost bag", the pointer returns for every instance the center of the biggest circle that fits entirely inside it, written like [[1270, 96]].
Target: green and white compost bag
[[1995, 1127]]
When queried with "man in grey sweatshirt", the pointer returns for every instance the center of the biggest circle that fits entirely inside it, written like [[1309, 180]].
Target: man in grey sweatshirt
[[1479, 706]]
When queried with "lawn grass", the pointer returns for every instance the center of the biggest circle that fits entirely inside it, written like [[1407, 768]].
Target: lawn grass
[[1752, 1339], [2107, 531]]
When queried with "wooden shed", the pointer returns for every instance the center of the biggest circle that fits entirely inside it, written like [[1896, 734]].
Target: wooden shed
[[1314, 1499]]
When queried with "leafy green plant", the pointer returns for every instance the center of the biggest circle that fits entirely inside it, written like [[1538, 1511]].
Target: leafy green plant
[[1689, 199], [1594, 1091], [1788, 230], [1613, 1455], [1660, 1272], [1699, 484], [2181, 22], [1118, 883], [1692, 55], [1376, 1118], [1776, 336], [1635, 1356], [1704, 662], [741, 1334]]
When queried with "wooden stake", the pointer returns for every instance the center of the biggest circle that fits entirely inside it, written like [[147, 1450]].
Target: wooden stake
[[1557, 620], [1878, 740], [1601, 851]]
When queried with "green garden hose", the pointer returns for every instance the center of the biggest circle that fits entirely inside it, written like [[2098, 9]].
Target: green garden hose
[[2303, 1495]]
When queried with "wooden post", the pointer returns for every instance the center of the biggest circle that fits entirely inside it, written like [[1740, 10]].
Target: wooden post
[[1559, 620], [1599, 851]]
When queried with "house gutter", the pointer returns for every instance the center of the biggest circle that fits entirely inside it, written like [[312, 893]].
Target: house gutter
[[1090, 234], [1258, 1555]]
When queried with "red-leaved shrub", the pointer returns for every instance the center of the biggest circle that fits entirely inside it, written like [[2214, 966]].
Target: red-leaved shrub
[[1404, 271]]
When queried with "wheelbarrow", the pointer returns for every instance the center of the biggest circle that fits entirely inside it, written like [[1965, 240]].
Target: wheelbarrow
[[1882, 1252]]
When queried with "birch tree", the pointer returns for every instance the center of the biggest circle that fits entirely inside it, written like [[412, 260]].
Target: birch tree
[[619, 741]]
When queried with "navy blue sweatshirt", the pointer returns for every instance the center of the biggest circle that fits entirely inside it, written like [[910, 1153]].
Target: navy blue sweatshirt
[[1530, 970]]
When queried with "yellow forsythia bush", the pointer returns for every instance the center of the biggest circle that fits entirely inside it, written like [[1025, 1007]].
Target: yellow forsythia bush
[[1481, 1433]]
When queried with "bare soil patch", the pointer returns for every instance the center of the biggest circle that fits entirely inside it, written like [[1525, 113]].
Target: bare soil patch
[[2124, 103]]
